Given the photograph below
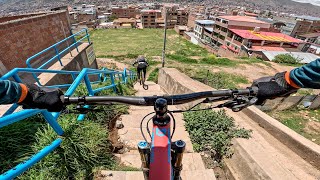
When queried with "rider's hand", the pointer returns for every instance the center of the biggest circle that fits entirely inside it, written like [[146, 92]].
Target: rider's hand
[[43, 98], [272, 87]]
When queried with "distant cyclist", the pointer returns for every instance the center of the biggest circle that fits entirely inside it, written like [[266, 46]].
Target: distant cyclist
[[142, 66]]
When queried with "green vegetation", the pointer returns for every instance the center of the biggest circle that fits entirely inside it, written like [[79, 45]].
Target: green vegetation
[[305, 92], [287, 59], [126, 44], [304, 122], [219, 61], [148, 42], [220, 80], [213, 131], [85, 145], [154, 75], [112, 18], [252, 60], [182, 59]]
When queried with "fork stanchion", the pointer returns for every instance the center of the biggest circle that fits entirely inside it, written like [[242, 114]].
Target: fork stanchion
[[144, 151], [178, 148]]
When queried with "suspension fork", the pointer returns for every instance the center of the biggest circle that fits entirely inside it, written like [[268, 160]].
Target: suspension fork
[[144, 151], [177, 149]]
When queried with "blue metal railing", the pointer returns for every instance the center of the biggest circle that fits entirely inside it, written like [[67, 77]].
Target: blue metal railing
[[10, 117], [58, 54]]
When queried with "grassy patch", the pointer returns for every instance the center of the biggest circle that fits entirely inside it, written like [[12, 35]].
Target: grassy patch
[[301, 121], [213, 131], [120, 44], [154, 75], [182, 59], [220, 80], [219, 62], [85, 145], [305, 92], [148, 42], [246, 60]]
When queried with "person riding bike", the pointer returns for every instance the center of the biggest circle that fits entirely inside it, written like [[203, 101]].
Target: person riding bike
[[142, 66], [30, 96]]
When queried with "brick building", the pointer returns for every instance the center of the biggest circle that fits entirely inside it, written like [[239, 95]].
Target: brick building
[[175, 15], [125, 12], [125, 23], [149, 18], [304, 26], [298, 25], [24, 36], [192, 17]]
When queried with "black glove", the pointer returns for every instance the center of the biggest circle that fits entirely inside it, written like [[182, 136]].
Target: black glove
[[272, 87], [43, 98]]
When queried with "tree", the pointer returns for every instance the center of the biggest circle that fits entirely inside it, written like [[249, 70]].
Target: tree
[[112, 18]]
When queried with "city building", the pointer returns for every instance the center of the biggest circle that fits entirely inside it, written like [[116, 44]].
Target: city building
[[175, 15], [149, 17], [200, 28], [125, 23], [223, 24], [255, 41], [306, 24], [125, 12], [298, 25], [192, 17], [180, 29]]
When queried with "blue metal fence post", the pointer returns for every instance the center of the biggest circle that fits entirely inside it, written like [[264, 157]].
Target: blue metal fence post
[[58, 55], [76, 43], [53, 123], [112, 82], [88, 36], [88, 85], [11, 109], [74, 40], [124, 75], [91, 93]]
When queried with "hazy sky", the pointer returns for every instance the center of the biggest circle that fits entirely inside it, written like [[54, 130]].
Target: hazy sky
[[314, 2]]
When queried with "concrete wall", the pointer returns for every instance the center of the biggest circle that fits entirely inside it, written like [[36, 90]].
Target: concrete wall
[[22, 38], [77, 63]]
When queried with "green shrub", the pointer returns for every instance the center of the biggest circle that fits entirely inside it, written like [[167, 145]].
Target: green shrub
[[181, 59], [286, 59], [154, 75], [213, 131]]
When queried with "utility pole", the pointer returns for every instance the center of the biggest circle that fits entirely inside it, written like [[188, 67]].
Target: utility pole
[[164, 38]]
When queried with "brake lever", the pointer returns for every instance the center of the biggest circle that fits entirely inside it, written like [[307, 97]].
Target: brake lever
[[239, 103]]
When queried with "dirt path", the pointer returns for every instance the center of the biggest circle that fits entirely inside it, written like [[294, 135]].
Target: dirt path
[[111, 63]]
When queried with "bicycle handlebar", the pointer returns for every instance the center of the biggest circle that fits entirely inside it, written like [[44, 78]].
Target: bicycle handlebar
[[149, 100]]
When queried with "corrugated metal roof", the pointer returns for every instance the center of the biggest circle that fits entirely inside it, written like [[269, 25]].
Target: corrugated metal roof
[[209, 29], [311, 18], [306, 57], [268, 36], [205, 21]]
